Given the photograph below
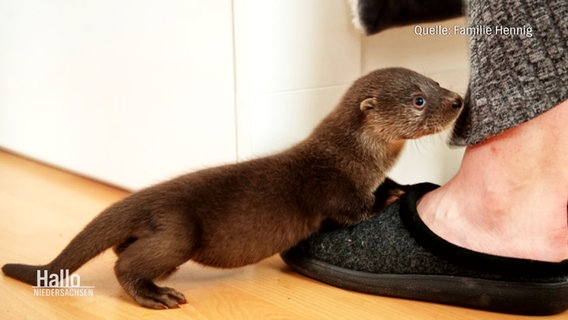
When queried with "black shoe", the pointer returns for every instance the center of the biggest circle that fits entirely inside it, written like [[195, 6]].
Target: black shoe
[[377, 15], [395, 254]]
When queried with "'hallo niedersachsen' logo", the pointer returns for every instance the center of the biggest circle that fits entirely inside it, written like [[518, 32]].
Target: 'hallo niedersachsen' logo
[[62, 284]]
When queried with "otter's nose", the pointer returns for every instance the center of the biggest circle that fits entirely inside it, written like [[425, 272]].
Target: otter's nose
[[457, 103]]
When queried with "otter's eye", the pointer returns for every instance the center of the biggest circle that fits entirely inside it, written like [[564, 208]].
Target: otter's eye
[[419, 102]]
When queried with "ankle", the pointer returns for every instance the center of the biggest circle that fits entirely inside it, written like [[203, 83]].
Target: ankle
[[510, 195], [502, 228]]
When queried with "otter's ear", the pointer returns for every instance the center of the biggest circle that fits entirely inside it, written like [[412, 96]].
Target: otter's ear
[[368, 104]]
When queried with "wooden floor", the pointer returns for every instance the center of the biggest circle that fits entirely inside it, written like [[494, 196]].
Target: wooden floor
[[42, 208]]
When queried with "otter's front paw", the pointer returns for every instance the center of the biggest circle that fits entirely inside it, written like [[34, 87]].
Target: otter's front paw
[[393, 195], [388, 193]]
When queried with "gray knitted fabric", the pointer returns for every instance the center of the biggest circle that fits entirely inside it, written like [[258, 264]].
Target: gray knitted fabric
[[514, 78]]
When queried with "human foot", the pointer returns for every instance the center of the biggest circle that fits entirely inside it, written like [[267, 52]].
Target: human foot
[[395, 254], [510, 196]]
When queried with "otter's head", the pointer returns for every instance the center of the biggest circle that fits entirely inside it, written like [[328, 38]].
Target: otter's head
[[399, 104]]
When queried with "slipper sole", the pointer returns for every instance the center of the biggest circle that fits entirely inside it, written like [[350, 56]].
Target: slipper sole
[[526, 298]]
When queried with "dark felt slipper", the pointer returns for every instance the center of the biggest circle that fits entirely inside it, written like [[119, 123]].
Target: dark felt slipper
[[395, 254]]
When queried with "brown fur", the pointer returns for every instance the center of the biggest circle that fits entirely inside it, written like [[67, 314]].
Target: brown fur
[[239, 214]]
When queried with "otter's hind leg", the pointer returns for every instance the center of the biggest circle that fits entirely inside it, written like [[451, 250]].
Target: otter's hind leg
[[149, 258]]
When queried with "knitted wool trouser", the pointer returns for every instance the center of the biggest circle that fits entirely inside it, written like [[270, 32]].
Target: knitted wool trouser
[[514, 77]]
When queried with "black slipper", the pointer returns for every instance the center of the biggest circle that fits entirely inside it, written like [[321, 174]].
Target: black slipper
[[395, 254], [374, 16]]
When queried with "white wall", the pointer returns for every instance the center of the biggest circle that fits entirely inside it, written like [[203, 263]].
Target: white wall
[[294, 60], [133, 92], [129, 92]]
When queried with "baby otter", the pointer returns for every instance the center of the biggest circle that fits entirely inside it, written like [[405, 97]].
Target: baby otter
[[239, 214]]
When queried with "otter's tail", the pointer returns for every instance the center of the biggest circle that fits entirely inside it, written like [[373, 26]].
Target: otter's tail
[[110, 228]]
